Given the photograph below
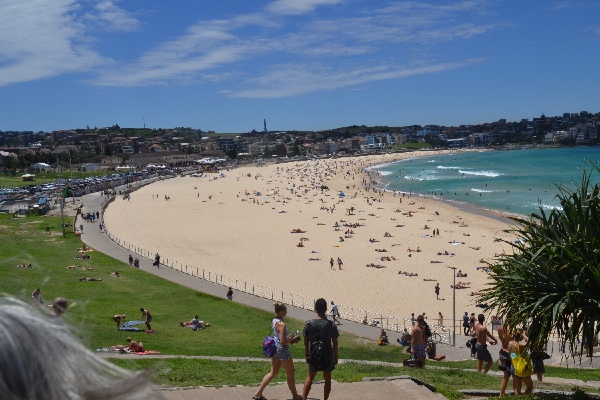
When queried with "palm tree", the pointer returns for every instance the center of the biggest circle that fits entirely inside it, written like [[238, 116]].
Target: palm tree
[[551, 282]]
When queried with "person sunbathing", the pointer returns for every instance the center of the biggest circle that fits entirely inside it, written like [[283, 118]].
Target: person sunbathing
[[134, 346], [73, 267], [25, 266], [387, 234], [116, 274], [301, 244], [82, 256], [84, 248], [194, 323], [86, 279]]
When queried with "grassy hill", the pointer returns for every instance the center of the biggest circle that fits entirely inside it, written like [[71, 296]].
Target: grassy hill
[[236, 330]]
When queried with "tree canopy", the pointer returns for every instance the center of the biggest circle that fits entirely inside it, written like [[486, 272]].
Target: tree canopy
[[551, 281]]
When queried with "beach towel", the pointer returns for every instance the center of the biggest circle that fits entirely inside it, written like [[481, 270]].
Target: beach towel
[[130, 326]]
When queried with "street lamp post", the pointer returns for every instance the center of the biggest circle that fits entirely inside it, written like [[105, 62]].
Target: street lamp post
[[454, 308]]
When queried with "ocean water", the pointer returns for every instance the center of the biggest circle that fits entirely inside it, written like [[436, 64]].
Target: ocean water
[[512, 181]]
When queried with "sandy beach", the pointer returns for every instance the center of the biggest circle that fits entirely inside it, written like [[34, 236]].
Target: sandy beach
[[279, 225]]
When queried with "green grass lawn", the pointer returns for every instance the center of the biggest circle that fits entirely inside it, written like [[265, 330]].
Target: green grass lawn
[[94, 303], [236, 331]]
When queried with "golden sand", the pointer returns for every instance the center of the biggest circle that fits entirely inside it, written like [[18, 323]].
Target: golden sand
[[240, 225]]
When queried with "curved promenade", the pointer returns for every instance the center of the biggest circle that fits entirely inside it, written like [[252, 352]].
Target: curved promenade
[[397, 389]]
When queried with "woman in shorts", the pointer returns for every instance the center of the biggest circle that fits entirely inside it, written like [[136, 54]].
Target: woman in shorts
[[283, 357]]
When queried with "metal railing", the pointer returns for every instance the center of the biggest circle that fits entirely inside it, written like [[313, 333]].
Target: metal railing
[[348, 313]]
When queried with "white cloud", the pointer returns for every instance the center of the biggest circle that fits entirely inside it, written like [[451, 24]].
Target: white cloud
[[294, 80], [215, 50], [298, 7], [205, 46], [41, 39], [108, 16]]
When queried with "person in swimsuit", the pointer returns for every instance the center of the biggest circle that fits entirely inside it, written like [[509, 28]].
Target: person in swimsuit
[[483, 354]]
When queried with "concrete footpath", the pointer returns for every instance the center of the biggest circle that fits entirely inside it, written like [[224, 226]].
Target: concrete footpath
[[391, 388]]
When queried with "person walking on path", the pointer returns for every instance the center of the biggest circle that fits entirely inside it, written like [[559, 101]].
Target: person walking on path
[[81, 228], [340, 263], [157, 260], [331, 262], [437, 291], [130, 259], [230, 294], [517, 347], [504, 360], [146, 317], [466, 324], [335, 313], [319, 333], [483, 354], [282, 357]]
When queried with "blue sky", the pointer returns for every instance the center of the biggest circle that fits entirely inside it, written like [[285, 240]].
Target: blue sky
[[300, 64]]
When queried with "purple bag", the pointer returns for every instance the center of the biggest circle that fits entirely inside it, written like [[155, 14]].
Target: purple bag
[[269, 346]]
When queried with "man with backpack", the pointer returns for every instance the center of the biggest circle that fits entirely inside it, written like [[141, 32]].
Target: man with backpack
[[418, 341], [320, 348]]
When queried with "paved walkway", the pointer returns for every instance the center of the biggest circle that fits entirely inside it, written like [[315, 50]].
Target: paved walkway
[[390, 389]]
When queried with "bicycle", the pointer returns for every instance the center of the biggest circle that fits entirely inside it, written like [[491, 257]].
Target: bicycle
[[440, 338]]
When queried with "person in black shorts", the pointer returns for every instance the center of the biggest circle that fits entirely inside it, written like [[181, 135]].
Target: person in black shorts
[[483, 354], [329, 334], [504, 360]]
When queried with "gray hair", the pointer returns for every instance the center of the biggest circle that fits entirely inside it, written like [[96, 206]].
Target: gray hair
[[41, 359]]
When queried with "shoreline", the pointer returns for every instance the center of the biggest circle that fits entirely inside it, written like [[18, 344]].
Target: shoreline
[[252, 241]]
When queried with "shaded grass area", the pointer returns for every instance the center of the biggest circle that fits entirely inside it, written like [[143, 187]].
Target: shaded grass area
[[236, 331]]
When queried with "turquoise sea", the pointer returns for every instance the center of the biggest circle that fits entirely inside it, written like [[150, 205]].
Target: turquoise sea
[[509, 181]]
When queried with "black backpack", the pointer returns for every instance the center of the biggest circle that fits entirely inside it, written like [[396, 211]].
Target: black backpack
[[427, 331], [320, 352]]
